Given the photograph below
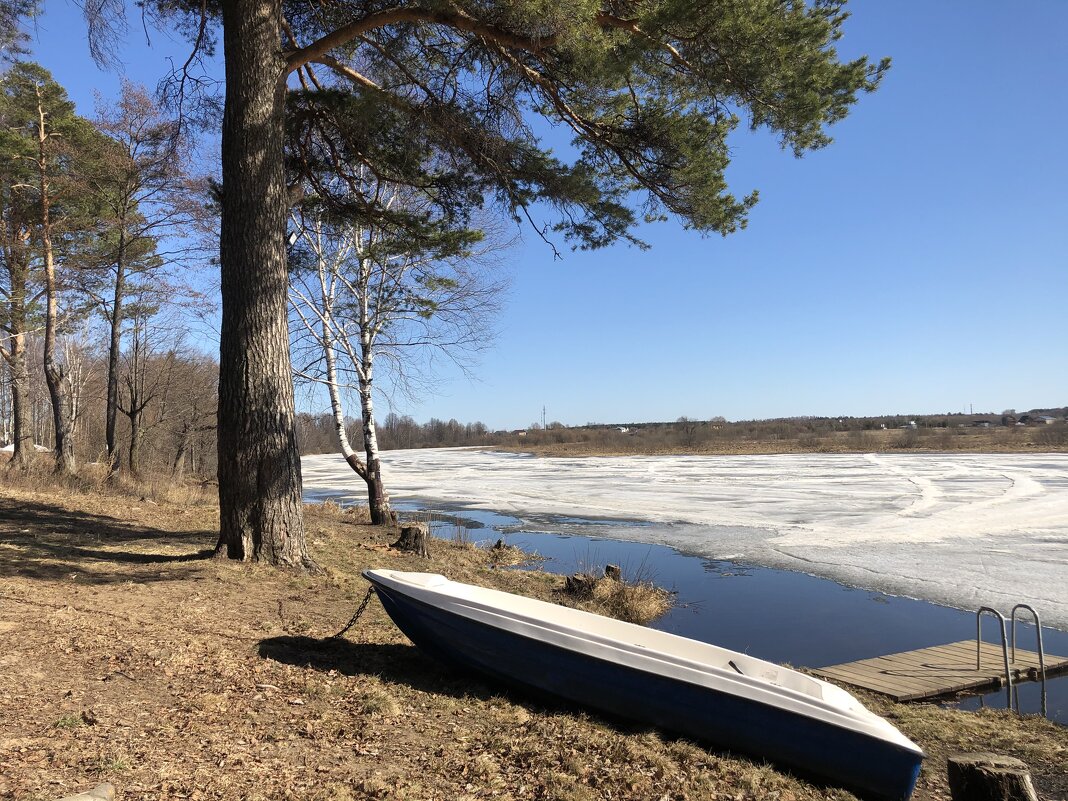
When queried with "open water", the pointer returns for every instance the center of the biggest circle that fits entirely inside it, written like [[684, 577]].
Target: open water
[[778, 615]]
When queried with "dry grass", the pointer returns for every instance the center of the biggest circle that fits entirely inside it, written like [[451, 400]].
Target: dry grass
[[127, 656], [93, 480], [503, 555], [635, 601]]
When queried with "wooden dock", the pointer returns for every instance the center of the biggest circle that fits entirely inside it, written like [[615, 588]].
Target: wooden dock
[[943, 669]]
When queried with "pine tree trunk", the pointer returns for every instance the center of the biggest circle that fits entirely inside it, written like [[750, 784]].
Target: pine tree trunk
[[53, 370], [261, 512]]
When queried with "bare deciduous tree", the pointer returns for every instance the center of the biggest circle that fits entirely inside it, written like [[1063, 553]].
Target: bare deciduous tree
[[148, 382], [142, 181], [192, 411]]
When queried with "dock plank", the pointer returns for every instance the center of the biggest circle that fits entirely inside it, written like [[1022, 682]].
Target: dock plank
[[937, 670]]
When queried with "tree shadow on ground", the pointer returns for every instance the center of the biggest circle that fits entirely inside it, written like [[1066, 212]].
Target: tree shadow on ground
[[403, 664], [46, 541], [406, 664]]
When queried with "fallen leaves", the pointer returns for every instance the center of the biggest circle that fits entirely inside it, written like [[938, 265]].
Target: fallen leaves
[[213, 681]]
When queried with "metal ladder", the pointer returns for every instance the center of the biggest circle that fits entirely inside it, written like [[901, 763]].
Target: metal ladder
[[1041, 652], [1005, 650]]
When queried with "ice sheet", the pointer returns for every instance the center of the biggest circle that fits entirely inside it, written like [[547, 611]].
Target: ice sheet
[[961, 529]]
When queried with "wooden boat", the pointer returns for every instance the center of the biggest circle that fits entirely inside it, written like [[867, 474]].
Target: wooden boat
[[681, 685]]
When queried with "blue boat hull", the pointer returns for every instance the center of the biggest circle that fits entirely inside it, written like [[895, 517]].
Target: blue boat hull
[[867, 765]]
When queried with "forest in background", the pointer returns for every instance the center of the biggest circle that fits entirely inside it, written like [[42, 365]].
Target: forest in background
[[1003, 431], [106, 223]]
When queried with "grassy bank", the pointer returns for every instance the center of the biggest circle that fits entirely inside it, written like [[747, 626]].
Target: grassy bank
[[128, 656], [742, 439]]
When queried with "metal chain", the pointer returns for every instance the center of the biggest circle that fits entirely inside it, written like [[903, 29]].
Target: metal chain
[[359, 611]]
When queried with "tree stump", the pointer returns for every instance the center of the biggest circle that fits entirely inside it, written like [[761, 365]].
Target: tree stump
[[102, 792], [580, 585], [989, 777], [614, 572], [413, 539]]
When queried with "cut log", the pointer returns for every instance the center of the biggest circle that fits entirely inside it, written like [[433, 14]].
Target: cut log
[[102, 792], [413, 538], [989, 777]]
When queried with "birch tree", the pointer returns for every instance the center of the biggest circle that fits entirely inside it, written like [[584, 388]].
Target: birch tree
[[147, 386], [364, 299]]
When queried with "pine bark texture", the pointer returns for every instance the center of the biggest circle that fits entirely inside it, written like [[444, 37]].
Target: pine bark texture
[[261, 512]]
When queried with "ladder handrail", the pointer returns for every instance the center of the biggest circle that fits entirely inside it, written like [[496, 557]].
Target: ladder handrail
[[1038, 630], [1004, 647], [1041, 652]]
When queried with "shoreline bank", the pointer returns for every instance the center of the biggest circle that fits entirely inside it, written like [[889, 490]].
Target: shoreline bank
[[947, 528]]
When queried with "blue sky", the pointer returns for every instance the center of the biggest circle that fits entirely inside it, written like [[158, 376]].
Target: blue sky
[[918, 264]]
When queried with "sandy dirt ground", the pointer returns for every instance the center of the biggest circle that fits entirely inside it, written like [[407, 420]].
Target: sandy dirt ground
[[128, 655]]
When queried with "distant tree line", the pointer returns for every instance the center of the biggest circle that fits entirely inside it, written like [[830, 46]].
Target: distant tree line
[[846, 433], [166, 397], [316, 433]]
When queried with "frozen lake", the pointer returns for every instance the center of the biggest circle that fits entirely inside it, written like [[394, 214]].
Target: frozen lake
[[959, 529]]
